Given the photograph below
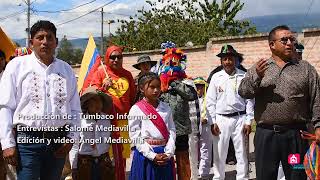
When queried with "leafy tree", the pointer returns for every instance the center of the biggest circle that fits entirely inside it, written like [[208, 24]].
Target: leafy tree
[[78, 54], [224, 15], [67, 53], [181, 21]]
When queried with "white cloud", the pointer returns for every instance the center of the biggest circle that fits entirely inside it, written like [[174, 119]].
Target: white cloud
[[11, 2], [90, 24], [271, 7], [17, 2]]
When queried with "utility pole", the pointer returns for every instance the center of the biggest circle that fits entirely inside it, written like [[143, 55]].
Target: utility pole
[[28, 19], [110, 22], [101, 44]]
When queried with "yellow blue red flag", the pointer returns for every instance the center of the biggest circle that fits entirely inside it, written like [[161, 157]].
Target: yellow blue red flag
[[6, 45], [91, 55]]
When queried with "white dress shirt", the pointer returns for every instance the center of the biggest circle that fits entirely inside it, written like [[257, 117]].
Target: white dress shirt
[[31, 91], [142, 128], [1, 75], [223, 98], [86, 146]]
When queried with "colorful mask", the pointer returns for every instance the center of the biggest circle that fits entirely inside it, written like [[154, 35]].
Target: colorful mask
[[173, 64], [173, 61]]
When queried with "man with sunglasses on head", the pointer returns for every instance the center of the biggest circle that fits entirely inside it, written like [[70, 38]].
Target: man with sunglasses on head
[[297, 55], [287, 98]]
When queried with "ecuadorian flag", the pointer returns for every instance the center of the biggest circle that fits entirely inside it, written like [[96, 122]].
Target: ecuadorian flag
[[90, 57]]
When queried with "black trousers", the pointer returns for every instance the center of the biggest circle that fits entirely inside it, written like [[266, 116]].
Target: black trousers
[[182, 143], [272, 147], [231, 156]]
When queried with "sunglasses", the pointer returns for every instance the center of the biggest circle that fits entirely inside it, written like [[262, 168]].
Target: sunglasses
[[284, 40], [114, 57]]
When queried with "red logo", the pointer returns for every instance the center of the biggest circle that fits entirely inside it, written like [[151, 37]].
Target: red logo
[[294, 159]]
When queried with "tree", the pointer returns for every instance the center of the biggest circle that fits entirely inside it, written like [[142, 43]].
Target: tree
[[181, 21], [225, 16], [78, 54], [67, 53]]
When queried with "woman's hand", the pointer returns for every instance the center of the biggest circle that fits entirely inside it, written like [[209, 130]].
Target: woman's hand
[[107, 83], [161, 159]]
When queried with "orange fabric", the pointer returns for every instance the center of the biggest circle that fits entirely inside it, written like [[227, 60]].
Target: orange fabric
[[165, 81], [96, 66], [122, 92], [124, 102], [123, 95], [110, 51]]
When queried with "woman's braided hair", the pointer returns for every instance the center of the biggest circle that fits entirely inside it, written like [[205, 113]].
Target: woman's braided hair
[[147, 78]]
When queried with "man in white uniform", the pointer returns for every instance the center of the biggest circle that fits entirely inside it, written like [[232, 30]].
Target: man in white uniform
[[205, 131], [39, 98], [230, 115]]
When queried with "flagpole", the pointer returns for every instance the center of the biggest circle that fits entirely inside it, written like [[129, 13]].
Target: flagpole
[[104, 69], [101, 45]]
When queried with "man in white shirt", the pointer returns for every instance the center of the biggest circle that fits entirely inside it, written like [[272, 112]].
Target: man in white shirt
[[230, 114], [2, 164], [38, 100]]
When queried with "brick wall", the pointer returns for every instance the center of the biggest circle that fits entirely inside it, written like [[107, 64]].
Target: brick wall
[[252, 47], [202, 59], [311, 43], [196, 58]]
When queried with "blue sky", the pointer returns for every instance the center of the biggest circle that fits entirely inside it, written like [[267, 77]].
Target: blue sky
[[15, 25]]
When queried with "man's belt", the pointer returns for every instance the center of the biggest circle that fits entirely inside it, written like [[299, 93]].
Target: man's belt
[[43, 134], [283, 128], [234, 114], [85, 158]]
